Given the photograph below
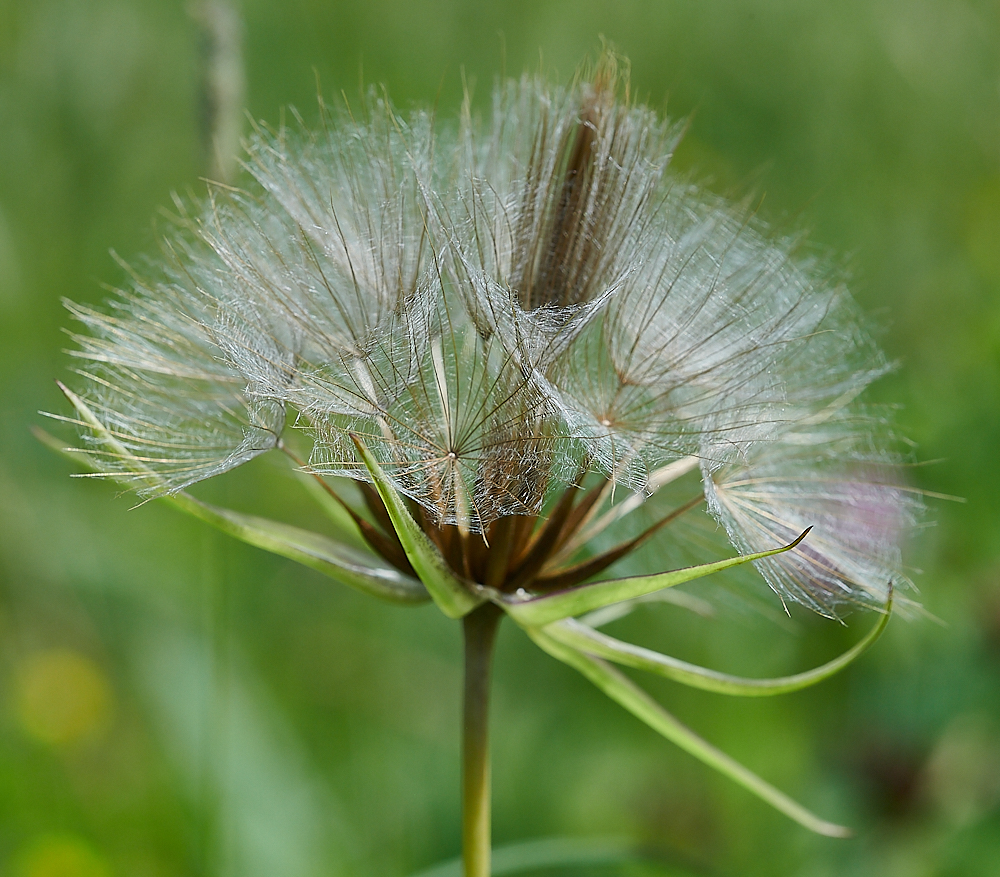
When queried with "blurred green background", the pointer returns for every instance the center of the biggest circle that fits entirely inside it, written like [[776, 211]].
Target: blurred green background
[[172, 703]]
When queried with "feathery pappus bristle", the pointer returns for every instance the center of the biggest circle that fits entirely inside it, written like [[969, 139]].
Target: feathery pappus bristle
[[831, 473]]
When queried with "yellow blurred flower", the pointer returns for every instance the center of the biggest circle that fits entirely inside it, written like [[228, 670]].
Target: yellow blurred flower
[[58, 855], [62, 697]]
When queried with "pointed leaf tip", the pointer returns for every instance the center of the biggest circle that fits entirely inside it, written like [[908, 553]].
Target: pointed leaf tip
[[627, 694], [539, 611], [798, 539]]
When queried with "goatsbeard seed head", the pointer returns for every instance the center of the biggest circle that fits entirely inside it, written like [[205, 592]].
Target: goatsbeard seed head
[[496, 307]]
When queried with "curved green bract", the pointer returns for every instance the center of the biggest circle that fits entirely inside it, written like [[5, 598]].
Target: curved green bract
[[626, 693], [540, 611], [341, 562], [347, 565], [579, 636], [452, 596]]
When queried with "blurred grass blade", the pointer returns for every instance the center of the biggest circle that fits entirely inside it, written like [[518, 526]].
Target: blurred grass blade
[[579, 636], [527, 857], [625, 692], [539, 611], [453, 598], [346, 565]]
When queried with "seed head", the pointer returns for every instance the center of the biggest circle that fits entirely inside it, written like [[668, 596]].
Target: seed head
[[496, 308]]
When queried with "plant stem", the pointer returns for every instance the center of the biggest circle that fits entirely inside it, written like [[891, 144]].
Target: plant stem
[[480, 629]]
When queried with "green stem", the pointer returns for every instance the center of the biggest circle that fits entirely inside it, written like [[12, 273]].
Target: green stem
[[480, 629]]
